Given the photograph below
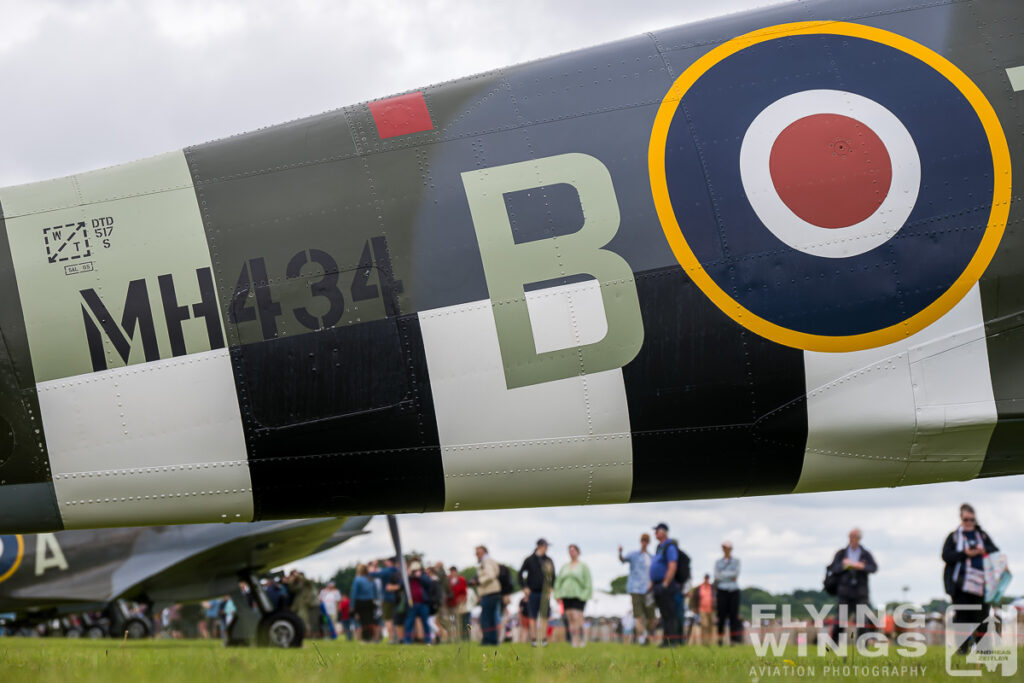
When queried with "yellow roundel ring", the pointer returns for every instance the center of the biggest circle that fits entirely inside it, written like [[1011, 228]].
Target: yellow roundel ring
[[816, 342], [18, 554]]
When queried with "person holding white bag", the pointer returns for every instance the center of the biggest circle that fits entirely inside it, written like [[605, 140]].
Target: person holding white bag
[[964, 554]]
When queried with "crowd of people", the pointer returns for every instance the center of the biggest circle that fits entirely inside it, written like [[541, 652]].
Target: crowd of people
[[432, 604]]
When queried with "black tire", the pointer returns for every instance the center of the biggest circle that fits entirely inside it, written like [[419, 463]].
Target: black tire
[[73, 632], [280, 629], [95, 631], [136, 628]]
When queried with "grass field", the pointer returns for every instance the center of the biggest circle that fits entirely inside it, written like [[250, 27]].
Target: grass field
[[61, 661]]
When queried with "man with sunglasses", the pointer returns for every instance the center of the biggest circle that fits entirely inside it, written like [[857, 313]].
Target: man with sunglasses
[[964, 554]]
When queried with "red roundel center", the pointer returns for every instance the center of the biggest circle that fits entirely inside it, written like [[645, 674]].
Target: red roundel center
[[830, 170]]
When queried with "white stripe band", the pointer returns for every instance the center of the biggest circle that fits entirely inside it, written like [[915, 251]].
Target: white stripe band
[[114, 459], [565, 442], [917, 411]]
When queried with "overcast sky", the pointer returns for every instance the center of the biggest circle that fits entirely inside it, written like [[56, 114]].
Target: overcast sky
[[89, 83]]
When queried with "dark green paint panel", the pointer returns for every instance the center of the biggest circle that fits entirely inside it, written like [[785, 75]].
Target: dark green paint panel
[[314, 140], [1005, 342], [27, 508], [303, 186], [308, 238], [27, 495], [1002, 287]]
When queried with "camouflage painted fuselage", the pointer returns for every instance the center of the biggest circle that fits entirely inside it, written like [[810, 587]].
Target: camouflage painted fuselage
[[601, 277]]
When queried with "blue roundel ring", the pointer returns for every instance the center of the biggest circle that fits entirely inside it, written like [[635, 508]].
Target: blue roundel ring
[[893, 226], [12, 549]]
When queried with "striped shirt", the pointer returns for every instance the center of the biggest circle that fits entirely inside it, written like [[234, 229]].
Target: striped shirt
[[727, 571]]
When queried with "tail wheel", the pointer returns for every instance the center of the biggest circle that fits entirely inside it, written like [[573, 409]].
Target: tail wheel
[[280, 629]]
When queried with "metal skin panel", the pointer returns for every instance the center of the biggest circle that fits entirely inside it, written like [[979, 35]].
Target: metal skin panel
[[715, 410], [928, 399], [121, 255], [124, 228], [374, 269], [559, 442], [111, 465]]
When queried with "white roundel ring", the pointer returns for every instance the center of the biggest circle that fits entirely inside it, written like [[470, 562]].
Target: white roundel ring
[[762, 189]]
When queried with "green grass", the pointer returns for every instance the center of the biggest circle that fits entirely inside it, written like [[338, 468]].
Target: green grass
[[61, 661]]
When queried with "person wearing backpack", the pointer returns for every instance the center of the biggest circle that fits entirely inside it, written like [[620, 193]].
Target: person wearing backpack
[[665, 586]]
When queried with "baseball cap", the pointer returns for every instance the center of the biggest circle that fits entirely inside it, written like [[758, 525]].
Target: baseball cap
[[661, 525], [541, 541]]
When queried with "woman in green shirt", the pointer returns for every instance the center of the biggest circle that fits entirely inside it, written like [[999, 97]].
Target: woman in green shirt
[[573, 588]]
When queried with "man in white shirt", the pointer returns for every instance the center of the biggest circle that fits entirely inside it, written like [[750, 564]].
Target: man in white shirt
[[330, 598], [727, 572]]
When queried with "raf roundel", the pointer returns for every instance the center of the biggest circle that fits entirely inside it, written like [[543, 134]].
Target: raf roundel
[[12, 549], [807, 186]]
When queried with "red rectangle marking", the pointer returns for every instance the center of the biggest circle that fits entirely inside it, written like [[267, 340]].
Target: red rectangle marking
[[401, 115]]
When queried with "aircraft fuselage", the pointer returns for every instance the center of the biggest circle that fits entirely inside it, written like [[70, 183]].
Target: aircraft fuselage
[[767, 253]]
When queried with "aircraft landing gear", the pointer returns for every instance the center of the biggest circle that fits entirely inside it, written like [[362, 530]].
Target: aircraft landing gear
[[265, 628], [135, 629], [280, 629], [123, 622]]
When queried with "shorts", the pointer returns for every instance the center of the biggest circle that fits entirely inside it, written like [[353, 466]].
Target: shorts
[[387, 610], [573, 603], [365, 610], [643, 607], [537, 605]]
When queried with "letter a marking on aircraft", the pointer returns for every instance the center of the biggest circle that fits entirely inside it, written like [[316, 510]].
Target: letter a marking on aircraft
[[48, 554]]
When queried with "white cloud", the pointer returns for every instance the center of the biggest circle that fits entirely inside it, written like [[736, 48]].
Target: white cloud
[[89, 84]]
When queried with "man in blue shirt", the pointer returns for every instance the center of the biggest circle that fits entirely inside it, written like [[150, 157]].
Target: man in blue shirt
[[665, 586], [638, 585]]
